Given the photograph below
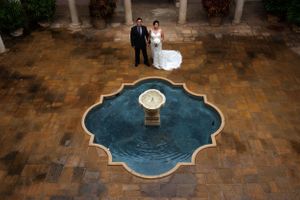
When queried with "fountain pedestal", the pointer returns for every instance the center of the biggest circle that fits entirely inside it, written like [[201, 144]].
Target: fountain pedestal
[[152, 100]]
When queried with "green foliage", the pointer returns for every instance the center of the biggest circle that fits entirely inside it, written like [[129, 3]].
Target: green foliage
[[12, 15], [39, 10], [102, 8], [276, 7], [293, 13], [216, 8], [284, 9]]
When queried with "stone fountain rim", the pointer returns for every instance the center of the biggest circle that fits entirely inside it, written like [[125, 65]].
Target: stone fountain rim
[[156, 107]]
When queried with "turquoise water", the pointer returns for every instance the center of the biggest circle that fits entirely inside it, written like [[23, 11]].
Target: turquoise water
[[186, 124]]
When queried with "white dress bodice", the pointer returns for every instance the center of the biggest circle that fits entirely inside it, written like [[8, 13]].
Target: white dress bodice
[[155, 37]]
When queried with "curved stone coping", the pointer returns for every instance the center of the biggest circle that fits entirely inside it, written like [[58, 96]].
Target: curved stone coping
[[110, 162]]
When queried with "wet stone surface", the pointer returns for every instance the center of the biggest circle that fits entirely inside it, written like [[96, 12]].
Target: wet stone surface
[[49, 78], [54, 172], [78, 173]]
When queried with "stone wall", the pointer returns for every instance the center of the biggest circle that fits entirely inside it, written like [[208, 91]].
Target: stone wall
[[195, 11], [82, 6]]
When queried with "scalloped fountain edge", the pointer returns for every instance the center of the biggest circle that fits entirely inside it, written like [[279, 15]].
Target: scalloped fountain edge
[[193, 162]]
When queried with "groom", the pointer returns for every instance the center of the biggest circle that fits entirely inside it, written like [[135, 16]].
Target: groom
[[138, 38]]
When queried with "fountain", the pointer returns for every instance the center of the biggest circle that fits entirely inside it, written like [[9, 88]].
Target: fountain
[[152, 100], [152, 143]]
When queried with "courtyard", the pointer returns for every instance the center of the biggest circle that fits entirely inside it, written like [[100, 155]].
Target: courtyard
[[50, 77]]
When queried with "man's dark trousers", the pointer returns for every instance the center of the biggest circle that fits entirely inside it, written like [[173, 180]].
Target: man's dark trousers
[[137, 55]]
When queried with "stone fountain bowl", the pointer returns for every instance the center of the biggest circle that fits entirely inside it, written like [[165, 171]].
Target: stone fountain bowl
[[152, 99]]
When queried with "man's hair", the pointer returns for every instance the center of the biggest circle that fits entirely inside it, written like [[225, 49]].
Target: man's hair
[[155, 22], [139, 19]]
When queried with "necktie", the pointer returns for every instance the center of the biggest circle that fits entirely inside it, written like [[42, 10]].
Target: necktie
[[140, 30]]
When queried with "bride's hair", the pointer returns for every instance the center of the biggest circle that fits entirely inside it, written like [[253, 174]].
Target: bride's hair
[[156, 22]]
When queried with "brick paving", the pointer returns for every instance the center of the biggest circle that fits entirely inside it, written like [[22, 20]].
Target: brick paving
[[49, 78]]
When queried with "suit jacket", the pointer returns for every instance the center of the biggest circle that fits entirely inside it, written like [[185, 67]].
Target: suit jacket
[[138, 40]]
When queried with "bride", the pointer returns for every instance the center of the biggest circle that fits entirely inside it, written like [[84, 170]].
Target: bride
[[162, 59]]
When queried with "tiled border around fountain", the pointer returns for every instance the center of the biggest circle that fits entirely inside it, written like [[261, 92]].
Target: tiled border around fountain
[[110, 162]]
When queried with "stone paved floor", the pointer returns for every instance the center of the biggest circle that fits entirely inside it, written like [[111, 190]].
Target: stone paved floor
[[49, 78], [193, 31], [254, 23]]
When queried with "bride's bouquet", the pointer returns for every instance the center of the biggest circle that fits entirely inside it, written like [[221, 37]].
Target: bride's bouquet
[[156, 42]]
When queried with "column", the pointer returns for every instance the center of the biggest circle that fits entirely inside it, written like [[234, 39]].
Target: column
[[182, 11], [128, 12], [74, 16], [238, 11], [2, 47]]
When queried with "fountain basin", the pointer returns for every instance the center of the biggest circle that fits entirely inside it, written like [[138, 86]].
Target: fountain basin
[[189, 124]]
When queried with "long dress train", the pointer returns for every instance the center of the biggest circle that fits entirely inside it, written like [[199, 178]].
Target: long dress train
[[163, 59]]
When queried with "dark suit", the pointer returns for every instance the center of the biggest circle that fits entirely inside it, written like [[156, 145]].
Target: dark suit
[[138, 41]]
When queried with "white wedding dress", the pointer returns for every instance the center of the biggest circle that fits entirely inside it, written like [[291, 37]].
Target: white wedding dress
[[163, 59]]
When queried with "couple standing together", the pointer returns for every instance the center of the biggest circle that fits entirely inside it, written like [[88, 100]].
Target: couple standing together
[[140, 38]]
